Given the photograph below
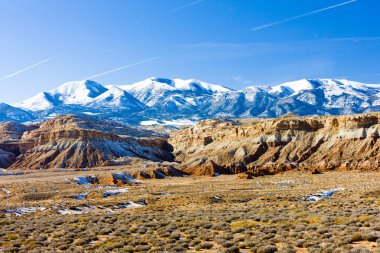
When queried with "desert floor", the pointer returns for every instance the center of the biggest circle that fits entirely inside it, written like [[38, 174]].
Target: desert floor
[[38, 213]]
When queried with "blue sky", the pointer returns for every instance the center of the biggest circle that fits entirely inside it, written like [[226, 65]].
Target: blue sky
[[235, 43]]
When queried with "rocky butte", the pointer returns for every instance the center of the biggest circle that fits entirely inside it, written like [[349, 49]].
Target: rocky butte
[[269, 146], [78, 141]]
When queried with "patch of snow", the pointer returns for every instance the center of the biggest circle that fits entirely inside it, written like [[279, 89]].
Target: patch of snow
[[81, 196], [114, 192], [68, 211], [132, 204], [6, 191], [322, 195], [179, 122], [21, 211], [84, 180], [149, 123], [91, 113], [176, 122], [124, 176]]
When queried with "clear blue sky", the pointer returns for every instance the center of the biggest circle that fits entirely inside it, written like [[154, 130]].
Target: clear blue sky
[[236, 43]]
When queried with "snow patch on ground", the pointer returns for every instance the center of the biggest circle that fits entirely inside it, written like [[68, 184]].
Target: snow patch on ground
[[83, 180], [322, 195], [108, 210], [149, 123], [81, 196], [114, 192], [176, 122], [22, 211], [125, 176]]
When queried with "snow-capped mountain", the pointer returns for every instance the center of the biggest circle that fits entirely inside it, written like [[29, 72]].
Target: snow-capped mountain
[[173, 99], [70, 93], [160, 91], [116, 98]]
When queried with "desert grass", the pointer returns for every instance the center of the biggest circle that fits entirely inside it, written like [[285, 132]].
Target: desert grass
[[196, 214]]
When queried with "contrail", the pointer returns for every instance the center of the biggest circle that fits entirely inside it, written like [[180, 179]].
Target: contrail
[[124, 67], [299, 16], [32, 66], [202, 43], [186, 6]]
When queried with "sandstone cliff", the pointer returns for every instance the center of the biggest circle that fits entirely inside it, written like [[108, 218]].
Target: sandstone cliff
[[10, 135], [268, 146], [77, 141]]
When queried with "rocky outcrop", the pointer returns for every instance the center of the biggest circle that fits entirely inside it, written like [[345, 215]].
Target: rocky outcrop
[[269, 146], [77, 141], [158, 173], [10, 135]]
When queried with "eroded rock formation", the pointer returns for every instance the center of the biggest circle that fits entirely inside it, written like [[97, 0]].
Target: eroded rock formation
[[77, 141], [10, 135], [269, 146]]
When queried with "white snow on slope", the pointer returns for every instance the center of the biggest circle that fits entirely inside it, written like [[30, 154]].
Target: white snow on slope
[[176, 122], [76, 92], [153, 90], [163, 101], [116, 97], [292, 87]]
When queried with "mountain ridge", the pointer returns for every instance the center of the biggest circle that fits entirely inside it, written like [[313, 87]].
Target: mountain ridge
[[172, 99]]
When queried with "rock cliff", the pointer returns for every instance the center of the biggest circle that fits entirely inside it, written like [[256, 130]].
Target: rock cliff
[[10, 135], [268, 146], [77, 141]]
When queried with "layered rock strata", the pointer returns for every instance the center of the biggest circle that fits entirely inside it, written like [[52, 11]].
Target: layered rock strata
[[76, 141], [269, 146]]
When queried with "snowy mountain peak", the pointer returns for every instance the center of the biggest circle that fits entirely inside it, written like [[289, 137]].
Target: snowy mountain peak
[[163, 91], [196, 85], [77, 91], [171, 99], [150, 84], [165, 84], [161, 80], [292, 88]]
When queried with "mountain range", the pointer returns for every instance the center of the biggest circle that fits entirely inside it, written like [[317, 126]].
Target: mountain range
[[174, 101]]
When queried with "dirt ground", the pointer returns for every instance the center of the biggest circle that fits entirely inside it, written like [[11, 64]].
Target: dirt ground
[[38, 213]]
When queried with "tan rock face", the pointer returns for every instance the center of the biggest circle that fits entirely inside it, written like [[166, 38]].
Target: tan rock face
[[268, 146], [70, 141], [10, 135]]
